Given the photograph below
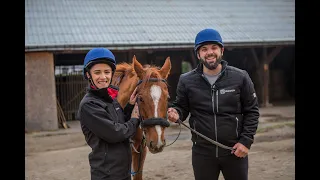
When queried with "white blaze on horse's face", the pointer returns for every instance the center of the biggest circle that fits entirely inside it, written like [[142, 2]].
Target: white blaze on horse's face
[[155, 92]]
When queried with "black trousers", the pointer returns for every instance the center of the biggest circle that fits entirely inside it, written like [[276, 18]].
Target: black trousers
[[208, 166]]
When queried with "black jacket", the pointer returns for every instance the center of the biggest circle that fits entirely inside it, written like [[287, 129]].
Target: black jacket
[[226, 112], [107, 129]]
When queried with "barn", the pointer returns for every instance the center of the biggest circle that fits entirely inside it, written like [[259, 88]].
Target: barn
[[259, 36]]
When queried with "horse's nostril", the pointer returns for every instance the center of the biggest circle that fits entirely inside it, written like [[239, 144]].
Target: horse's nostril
[[151, 144]]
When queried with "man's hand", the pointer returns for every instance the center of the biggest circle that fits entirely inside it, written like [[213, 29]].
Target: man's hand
[[241, 151], [173, 115]]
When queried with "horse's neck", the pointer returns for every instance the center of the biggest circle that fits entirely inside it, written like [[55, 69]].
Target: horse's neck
[[126, 88], [124, 96]]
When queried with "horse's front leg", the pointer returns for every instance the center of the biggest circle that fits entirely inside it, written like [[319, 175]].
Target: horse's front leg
[[138, 162], [138, 157]]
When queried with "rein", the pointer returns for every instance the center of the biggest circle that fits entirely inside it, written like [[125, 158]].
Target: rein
[[205, 137], [142, 144]]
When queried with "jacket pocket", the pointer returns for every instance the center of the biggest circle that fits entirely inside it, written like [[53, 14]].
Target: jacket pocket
[[194, 136], [235, 127], [228, 129]]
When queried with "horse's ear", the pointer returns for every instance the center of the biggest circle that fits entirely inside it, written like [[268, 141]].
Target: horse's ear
[[137, 67], [165, 70]]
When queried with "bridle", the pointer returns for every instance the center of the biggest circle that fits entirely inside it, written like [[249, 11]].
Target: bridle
[[153, 121], [145, 122], [149, 122]]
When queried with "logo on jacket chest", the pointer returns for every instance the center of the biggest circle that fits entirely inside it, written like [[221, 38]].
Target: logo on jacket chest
[[223, 91]]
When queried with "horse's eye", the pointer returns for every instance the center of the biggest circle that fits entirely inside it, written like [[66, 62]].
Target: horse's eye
[[140, 99]]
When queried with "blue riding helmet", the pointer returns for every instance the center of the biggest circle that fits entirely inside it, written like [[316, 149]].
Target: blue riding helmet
[[98, 55], [207, 36]]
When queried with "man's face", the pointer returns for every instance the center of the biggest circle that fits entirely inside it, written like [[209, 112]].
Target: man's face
[[210, 55]]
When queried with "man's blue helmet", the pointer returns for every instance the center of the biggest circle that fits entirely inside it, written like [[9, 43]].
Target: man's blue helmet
[[98, 55], [207, 36]]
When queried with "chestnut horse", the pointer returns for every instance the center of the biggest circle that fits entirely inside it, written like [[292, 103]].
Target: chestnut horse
[[152, 103]]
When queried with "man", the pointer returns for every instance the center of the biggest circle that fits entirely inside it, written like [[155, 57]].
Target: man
[[223, 106]]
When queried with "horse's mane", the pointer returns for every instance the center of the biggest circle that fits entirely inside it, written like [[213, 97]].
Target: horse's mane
[[123, 66], [123, 69], [152, 71]]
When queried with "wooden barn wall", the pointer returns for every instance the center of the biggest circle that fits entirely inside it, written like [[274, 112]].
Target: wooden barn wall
[[281, 69]]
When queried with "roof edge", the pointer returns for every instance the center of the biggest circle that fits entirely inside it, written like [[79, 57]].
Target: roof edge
[[146, 46]]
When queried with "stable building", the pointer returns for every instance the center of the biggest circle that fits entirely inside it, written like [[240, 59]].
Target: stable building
[[259, 36]]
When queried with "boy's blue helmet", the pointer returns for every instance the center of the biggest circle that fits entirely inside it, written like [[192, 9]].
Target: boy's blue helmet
[[207, 36], [98, 55]]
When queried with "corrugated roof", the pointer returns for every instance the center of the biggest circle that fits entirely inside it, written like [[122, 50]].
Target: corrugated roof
[[142, 24]]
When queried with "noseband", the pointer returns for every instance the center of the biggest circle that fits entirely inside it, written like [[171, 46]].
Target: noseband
[[152, 121]]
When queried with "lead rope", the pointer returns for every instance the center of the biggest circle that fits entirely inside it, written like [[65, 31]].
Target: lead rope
[[206, 138], [177, 136]]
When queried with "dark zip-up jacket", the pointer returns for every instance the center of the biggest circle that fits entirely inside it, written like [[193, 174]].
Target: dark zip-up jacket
[[226, 111], [107, 129]]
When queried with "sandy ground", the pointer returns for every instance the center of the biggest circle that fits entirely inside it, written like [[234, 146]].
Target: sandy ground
[[63, 155]]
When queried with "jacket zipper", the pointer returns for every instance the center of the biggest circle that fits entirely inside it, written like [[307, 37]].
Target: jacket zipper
[[217, 100], [213, 90], [217, 149], [237, 126], [215, 118]]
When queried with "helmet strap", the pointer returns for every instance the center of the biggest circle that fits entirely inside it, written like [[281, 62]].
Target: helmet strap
[[90, 78], [92, 83]]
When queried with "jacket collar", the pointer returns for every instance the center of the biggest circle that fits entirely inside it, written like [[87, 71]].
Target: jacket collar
[[107, 94]]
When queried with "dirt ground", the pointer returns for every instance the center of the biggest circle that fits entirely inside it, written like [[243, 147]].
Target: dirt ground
[[63, 155]]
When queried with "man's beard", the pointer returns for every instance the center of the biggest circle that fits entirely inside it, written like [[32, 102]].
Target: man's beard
[[211, 66]]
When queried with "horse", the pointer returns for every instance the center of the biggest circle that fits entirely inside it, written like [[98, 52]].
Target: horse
[[152, 101]]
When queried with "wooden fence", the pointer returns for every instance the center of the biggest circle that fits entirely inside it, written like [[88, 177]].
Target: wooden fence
[[70, 88]]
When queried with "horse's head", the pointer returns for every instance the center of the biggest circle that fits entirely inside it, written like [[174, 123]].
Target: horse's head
[[153, 102]]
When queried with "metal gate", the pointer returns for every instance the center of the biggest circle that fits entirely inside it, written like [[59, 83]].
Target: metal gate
[[70, 88]]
